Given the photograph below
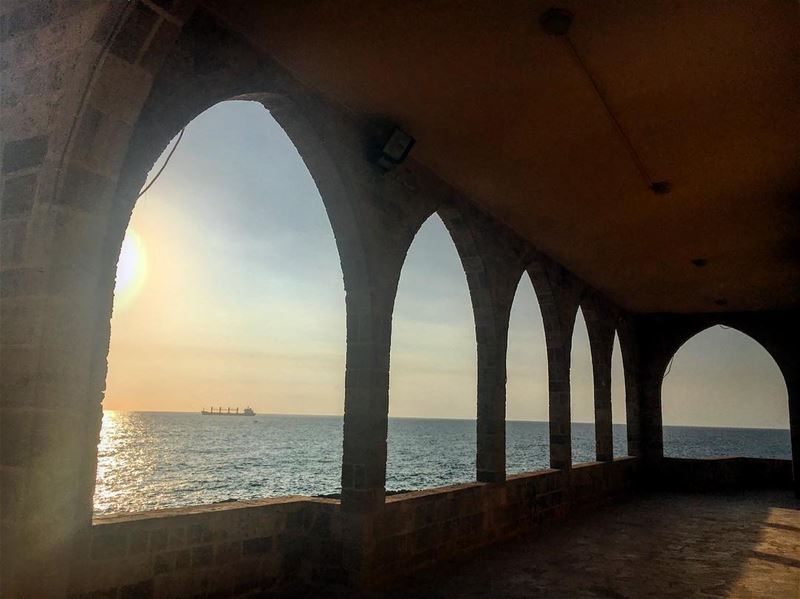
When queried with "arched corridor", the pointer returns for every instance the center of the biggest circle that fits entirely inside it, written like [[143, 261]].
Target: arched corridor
[[274, 265]]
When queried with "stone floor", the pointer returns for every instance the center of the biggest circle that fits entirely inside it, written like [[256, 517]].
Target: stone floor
[[745, 545]]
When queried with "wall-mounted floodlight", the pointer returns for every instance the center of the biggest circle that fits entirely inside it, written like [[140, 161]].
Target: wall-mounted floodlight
[[395, 149]]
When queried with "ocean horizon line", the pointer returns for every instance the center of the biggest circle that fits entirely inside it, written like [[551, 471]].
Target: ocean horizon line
[[446, 418]]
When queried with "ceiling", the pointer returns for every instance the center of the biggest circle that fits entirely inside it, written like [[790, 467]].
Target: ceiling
[[707, 93]]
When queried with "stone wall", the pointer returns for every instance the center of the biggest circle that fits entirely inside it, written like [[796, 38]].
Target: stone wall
[[217, 550], [424, 527], [720, 474], [235, 548]]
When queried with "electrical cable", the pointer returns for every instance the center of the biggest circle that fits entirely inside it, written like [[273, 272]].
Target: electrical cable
[[628, 143], [669, 368], [163, 166]]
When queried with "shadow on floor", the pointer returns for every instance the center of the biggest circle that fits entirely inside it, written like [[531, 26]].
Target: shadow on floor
[[665, 545]]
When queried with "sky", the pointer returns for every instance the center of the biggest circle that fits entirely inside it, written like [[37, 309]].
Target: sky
[[229, 293]]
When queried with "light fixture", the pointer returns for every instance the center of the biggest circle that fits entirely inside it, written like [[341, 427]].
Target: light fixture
[[661, 187], [395, 149]]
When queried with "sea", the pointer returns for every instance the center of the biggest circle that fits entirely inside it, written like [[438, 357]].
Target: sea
[[153, 460]]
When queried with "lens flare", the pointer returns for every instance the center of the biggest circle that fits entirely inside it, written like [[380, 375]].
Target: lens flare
[[131, 270]]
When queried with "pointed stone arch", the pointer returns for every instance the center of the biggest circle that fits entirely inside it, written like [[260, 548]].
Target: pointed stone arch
[[699, 337], [493, 264], [601, 318], [659, 336], [559, 297], [433, 366], [526, 458]]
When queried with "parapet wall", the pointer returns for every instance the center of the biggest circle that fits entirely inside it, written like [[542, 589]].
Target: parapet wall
[[425, 527], [234, 548], [214, 550], [721, 474]]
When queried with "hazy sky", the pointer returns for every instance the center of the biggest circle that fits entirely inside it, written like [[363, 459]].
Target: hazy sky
[[229, 292]]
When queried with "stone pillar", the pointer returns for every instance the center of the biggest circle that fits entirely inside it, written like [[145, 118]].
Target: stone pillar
[[651, 428], [558, 367], [64, 140], [559, 304], [366, 412], [651, 372], [627, 346], [48, 414], [601, 341], [373, 240], [493, 266], [491, 425], [366, 402]]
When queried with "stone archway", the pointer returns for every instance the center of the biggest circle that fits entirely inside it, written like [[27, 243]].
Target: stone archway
[[688, 386], [146, 78]]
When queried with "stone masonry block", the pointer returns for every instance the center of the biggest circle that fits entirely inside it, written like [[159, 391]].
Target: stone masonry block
[[202, 556], [130, 40], [139, 590], [257, 546], [158, 47], [24, 153], [18, 196], [26, 18], [86, 190], [12, 238]]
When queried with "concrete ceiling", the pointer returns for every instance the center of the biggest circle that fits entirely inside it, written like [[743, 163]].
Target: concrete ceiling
[[707, 92]]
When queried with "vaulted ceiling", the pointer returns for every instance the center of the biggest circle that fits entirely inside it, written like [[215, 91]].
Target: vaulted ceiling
[[706, 96]]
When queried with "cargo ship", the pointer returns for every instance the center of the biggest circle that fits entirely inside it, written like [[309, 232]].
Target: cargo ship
[[218, 412]]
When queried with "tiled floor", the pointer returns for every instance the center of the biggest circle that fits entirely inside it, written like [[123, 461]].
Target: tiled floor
[[668, 545], [745, 545]]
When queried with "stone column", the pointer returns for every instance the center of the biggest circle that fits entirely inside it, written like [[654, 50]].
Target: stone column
[[601, 340], [493, 267], [373, 248], [366, 412], [366, 402], [651, 428], [64, 140], [558, 303], [49, 403], [627, 346], [558, 367], [491, 425]]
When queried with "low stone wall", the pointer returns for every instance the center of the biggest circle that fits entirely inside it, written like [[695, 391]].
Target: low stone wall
[[219, 550], [420, 528], [232, 549], [721, 474]]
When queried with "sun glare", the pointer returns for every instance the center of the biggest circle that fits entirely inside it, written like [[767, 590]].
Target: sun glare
[[131, 270]]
